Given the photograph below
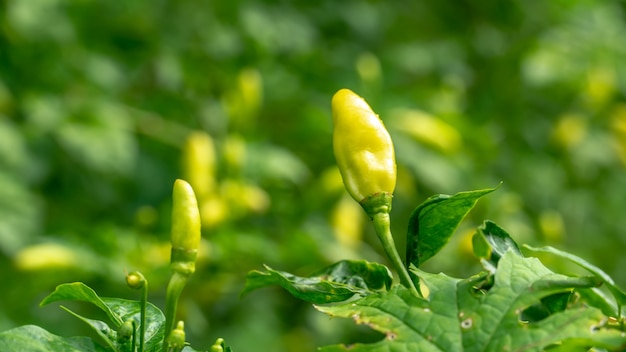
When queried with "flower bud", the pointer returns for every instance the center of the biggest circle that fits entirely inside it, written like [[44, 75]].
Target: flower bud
[[176, 340], [135, 280]]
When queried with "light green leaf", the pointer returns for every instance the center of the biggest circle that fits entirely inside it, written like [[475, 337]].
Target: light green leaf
[[619, 294], [455, 316], [433, 222], [408, 322], [32, 338], [597, 298], [335, 283]]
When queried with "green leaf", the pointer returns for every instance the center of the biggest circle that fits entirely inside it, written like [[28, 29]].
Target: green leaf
[[32, 338], [155, 320], [433, 222], [102, 329], [457, 317], [118, 310], [618, 294], [597, 298], [77, 291], [491, 242], [335, 283]]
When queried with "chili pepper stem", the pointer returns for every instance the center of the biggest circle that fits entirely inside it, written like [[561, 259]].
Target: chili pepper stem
[[142, 326], [383, 230], [174, 288], [134, 339], [137, 281]]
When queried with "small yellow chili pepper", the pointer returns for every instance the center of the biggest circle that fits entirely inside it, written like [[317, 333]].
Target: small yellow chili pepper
[[366, 160], [363, 148]]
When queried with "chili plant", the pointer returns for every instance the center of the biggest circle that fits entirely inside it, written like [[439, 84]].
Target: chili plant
[[514, 304], [134, 326]]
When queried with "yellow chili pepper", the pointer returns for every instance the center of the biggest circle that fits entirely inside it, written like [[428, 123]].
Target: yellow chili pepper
[[199, 162], [363, 148], [366, 160]]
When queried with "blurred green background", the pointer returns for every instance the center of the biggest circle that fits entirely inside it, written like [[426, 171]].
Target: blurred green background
[[103, 104]]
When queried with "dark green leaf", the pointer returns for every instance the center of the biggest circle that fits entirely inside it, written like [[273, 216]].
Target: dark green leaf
[[547, 306], [433, 222], [335, 283], [456, 317], [491, 242], [77, 291], [155, 319], [102, 329], [32, 338]]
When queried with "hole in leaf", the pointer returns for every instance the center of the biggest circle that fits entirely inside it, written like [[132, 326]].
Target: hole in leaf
[[467, 323], [547, 306], [345, 331], [482, 285]]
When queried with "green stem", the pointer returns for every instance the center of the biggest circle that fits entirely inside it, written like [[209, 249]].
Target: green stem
[[620, 317], [174, 288], [134, 341], [142, 327], [383, 230]]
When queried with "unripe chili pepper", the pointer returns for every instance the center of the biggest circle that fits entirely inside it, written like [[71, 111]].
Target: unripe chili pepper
[[363, 149], [185, 227], [185, 243]]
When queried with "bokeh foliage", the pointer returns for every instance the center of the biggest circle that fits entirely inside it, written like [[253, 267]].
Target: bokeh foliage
[[100, 102]]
